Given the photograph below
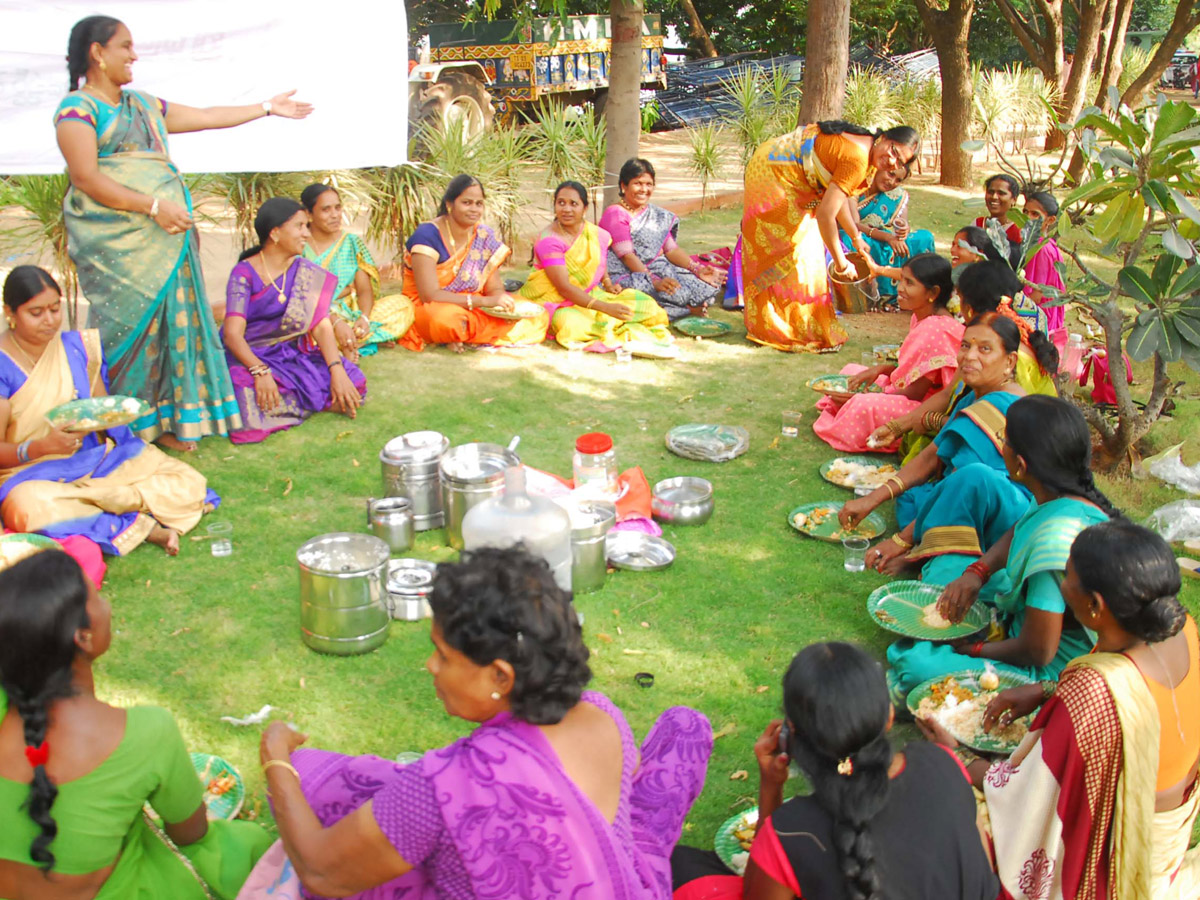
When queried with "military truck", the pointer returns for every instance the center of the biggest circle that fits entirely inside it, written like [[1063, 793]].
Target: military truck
[[481, 70]]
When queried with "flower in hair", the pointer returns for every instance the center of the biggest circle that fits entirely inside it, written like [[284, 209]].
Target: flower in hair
[[846, 767], [38, 755]]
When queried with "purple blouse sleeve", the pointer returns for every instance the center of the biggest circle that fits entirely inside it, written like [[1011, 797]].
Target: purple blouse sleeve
[[408, 815], [616, 222], [237, 292], [550, 251]]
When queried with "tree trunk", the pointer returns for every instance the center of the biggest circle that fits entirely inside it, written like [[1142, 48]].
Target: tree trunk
[[1113, 45], [623, 126], [950, 29], [1092, 14], [1187, 18], [699, 32], [826, 60]]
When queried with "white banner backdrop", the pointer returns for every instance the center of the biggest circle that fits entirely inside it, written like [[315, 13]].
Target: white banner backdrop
[[346, 57]]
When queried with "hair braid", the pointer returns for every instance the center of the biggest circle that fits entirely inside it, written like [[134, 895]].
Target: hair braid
[[43, 604], [35, 718], [85, 32]]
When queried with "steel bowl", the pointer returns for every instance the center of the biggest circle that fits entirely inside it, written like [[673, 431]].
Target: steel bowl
[[683, 501]]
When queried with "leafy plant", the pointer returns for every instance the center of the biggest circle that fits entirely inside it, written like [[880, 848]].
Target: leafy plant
[[401, 199], [706, 159], [650, 114], [554, 142], [751, 122], [245, 192], [42, 225], [869, 100], [1138, 207], [592, 138]]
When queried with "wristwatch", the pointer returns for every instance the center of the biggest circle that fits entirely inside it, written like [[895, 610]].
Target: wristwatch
[[266, 105]]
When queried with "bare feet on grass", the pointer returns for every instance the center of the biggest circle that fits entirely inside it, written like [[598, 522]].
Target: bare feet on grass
[[171, 442], [167, 538]]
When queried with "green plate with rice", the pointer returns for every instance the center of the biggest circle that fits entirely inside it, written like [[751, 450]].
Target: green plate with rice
[[16, 547], [900, 607], [962, 725], [727, 845], [224, 790], [839, 384], [701, 326], [97, 413], [827, 527]]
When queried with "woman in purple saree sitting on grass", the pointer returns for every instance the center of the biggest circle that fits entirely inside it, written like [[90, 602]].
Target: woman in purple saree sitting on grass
[[546, 798], [279, 341]]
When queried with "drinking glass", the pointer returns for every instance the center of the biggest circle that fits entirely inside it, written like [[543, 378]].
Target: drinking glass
[[220, 538], [855, 550], [789, 422], [623, 356]]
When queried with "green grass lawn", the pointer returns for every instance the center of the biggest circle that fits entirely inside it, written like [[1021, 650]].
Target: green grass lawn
[[208, 637]]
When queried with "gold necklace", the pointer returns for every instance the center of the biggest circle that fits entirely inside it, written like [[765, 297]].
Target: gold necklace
[[88, 86], [450, 234], [278, 287], [632, 209], [1172, 686], [29, 359]]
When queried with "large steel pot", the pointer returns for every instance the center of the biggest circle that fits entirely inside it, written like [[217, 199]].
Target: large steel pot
[[470, 474], [409, 465], [343, 599]]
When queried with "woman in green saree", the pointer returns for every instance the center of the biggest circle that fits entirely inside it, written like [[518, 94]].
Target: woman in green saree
[[75, 773], [362, 320], [131, 236]]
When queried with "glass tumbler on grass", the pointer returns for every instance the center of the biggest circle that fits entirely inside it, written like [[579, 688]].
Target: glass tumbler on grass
[[623, 356], [855, 550], [220, 535], [790, 422]]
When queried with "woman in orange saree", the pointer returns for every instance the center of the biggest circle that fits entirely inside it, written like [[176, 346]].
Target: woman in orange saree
[[797, 187], [452, 275]]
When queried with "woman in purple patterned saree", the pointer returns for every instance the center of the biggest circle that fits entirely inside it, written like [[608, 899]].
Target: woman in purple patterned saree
[[279, 341], [549, 797]]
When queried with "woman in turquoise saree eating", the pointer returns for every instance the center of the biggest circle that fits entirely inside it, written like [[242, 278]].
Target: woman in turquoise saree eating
[[954, 499], [882, 216], [130, 230], [1048, 451]]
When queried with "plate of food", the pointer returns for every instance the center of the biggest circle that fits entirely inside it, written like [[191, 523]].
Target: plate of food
[[820, 521], [885, 354], [522, 309], [840, 384], [224, 790], [733, 839], [97, 413], [701, 326], [852, 472], [16, 547], [958, 702], [910, 608]]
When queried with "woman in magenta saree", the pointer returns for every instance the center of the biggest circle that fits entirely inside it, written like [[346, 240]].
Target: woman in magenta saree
[[547, 797], [283, 355]]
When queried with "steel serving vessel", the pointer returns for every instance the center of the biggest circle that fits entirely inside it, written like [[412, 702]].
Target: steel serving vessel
[[343, 601]]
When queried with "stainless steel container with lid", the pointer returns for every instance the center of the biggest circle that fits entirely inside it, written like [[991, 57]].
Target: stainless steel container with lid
[[591, 520], [343, 602], [470, 474], [409, 584], [390, 519], [409, 465]]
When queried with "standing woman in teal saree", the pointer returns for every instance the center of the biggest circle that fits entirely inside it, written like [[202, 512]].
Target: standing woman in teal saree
[[131, 236]]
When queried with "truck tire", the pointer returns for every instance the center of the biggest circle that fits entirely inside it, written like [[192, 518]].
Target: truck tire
[[455, 96]]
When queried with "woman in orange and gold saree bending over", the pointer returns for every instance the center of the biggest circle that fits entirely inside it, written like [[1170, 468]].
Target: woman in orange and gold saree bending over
[[797, 188]]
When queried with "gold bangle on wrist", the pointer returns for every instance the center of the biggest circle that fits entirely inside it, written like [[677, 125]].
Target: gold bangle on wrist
[[283, 764], [899, 540]]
